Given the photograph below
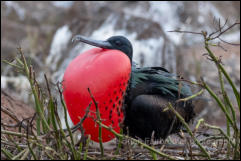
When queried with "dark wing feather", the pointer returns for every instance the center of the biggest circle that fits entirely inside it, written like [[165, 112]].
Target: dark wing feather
[[147, 115], [159, 80]]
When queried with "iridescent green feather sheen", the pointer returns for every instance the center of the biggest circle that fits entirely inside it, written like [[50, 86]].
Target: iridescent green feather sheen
[[161, 80]]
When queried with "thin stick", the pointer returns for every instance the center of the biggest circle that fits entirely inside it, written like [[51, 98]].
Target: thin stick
[[198, 124], [7, 153], [19, 154], [78, 125], [189, 130], [236, 93], [191, 97], [87, 148], [99, 119], [17, 134], [151, 149], [187, 32], [67, 124], [236, 23], [34, 90], [30, 147], [221, 105], [227, 108], [10, 114], [221, 131]]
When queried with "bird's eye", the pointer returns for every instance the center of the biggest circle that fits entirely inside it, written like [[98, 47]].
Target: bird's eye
[[117, 42]]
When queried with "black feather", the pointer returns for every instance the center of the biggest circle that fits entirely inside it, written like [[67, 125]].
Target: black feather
[[151, 89], [159, 79]]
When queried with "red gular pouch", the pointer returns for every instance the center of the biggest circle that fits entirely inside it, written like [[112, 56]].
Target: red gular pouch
[[106, 73]]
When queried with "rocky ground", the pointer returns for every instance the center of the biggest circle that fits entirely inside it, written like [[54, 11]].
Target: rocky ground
[[14, 112]]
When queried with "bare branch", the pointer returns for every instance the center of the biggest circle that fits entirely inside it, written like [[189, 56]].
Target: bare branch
[[188, 32], [236, 23], [220, 28], [228, 42]]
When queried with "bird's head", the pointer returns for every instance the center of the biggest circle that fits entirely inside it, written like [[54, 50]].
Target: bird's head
[[115, 42]]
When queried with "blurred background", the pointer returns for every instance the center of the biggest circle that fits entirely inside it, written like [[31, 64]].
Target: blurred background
[[44, 31]]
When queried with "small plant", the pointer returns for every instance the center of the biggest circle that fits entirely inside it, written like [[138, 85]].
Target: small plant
[[224, 103]]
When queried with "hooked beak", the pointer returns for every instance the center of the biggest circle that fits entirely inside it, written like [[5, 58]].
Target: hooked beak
[[97, 43]]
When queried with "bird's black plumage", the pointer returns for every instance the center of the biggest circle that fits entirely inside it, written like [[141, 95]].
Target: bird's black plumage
[[149, 91]]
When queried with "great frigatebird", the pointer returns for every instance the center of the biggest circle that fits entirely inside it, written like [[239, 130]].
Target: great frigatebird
[[149, 91]]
